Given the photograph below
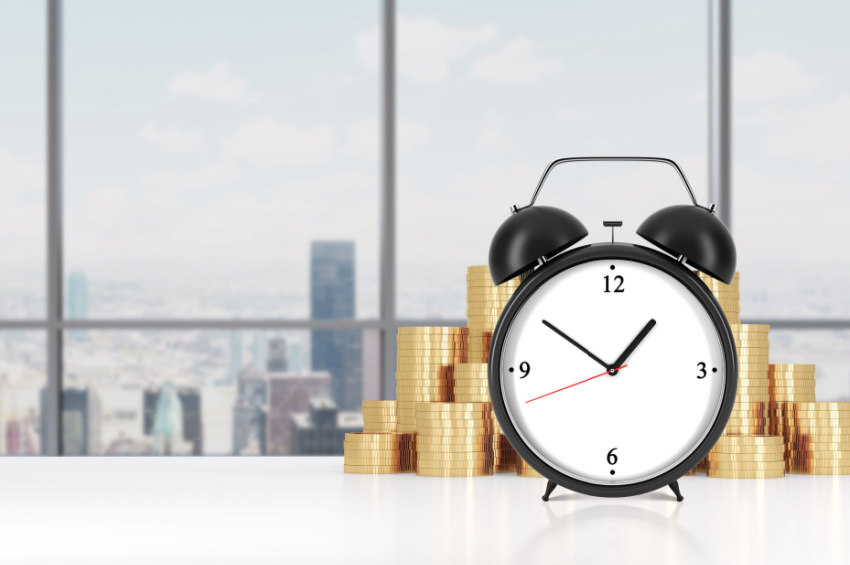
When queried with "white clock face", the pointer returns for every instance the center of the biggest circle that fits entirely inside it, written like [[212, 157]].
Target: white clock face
[[636, 424]]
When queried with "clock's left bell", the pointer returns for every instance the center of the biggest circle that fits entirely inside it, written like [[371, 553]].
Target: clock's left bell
[[529, 234]]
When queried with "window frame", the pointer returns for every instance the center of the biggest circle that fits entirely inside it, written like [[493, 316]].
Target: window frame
[[387, 323]]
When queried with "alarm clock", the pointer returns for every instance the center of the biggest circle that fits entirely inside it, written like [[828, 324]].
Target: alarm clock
[[613, 369]]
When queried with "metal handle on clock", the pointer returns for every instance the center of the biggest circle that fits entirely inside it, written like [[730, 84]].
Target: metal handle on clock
[[557, 162]]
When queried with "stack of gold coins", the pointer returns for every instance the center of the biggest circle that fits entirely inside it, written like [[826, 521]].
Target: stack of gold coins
[[788, 383], [454, 439], [484, 304], [728, 295], [425, 368], [523, 469], [819, 438], [380, 453], [379, 416], [749, 415], [747, 457], [471, 386]]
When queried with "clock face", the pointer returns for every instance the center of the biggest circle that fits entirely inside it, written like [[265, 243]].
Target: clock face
[[564, 402]]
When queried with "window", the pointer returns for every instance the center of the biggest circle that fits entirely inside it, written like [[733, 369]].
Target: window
[[222, 282], [490, 93]]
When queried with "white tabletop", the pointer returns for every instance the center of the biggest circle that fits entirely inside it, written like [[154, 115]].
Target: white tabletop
[[305, 510]]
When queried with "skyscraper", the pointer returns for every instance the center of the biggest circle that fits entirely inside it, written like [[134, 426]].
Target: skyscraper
[[78, 300], [249, 415], [173, 418], [277, 361], [235, 362], [289, 393], [332, 298], [80, 422], [296, 360], [260, 350]]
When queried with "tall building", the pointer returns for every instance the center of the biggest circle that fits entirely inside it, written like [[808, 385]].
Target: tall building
[[173, 418], [338, 352], [277, 360], [296, 358], [289, 393], [235, 361], [249, 413], [321, 431], [260, 350], [80, 422], [78, 300]]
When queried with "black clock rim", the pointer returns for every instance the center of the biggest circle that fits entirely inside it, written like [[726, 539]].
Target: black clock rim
[[652, 258]]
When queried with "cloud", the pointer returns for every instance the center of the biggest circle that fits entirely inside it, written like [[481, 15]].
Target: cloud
[[172, 140], [425, 47], [517, 61], [364, 140], [214, 175], [266, 142], [219, 84], [767, 76], [570, 114], [817, 133], [493, 136]]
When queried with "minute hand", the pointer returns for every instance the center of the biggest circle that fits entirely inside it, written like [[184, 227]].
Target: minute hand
[[635, 342], [580, 346]]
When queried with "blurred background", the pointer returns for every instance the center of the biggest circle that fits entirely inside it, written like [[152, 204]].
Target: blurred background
[[214, 215]]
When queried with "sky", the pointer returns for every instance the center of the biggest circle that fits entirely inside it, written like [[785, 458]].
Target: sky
[[207, 143]]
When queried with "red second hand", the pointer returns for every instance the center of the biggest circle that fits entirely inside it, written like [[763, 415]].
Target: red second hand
[[574, 384]]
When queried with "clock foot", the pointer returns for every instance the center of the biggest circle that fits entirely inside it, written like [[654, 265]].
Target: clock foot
[[550, 486], [674, 486]]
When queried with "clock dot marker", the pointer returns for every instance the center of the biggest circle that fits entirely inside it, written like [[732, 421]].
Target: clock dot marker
[[612, 267], [510, 369], [612, 471], [714, 369]]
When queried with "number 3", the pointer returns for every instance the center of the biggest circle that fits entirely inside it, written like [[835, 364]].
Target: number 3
[[702, 368]]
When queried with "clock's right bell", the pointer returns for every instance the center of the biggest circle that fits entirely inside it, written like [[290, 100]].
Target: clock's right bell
[[695, 233]]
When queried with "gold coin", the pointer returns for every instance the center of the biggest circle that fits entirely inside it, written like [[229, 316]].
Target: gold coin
[[748, 449], [823, 469], [819, 456], [430, 443], [445, 373], [376, 438], [808, 397], [837, 471], [452, 473], [738, 457], [457, 465], [408, 365], [725, 474], [472, 397], [472, 426], [453, 432], [750, 440], [426, 397], [455, 457], [431, 330], [745, 328], [472, 368], [794, 367], [817, 414], [747, 465], [455, 416], [376, 460], [375, 469], [459, 448], [382, 404], [457, 407], [821, 406], [430, 356]]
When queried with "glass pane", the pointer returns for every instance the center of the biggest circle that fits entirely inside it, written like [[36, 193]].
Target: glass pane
[[22, 159], [826, 349], [792, 118], [215, 392], [490, 93], [201, 166], [22, 381]]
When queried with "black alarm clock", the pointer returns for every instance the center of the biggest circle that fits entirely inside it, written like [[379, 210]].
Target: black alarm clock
[[613, 369]]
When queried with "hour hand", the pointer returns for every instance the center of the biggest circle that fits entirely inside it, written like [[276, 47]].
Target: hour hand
[[578, 345]]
